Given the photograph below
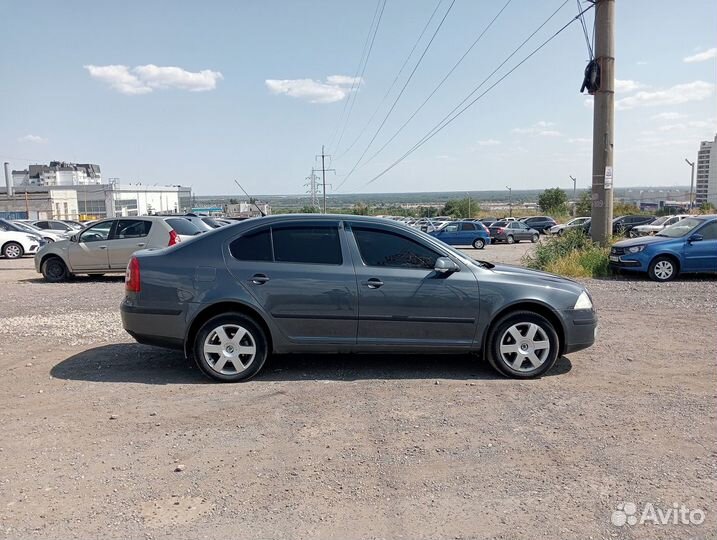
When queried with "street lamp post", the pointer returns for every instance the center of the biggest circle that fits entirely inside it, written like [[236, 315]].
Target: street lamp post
[[692, 181], [510, 200], [575, 201]]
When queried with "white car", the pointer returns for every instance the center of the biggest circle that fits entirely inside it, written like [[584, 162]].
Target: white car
[[14, 245], [657, 225], [575, 222], [47, 235]]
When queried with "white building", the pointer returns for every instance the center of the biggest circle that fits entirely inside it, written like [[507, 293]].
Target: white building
[[58, 173], [706, 175]]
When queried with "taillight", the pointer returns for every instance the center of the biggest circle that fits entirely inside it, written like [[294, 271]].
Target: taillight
[[500, 230], [131, 278], [173, 238]]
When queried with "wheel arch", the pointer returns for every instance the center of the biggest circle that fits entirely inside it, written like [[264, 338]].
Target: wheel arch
[[227, 306], [669, 255], [2, 248], [528, 305], [48, 256]]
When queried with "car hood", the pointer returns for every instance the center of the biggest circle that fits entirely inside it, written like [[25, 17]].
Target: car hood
[[645, 240], [537, 277]]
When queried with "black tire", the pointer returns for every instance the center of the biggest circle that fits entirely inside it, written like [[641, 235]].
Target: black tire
[[54, 270], [256, 335], [535, 238], [663, 269], [509, 239], [632, 233], [13, 250], [561, 232], [499, 332], [48, 240], [478, 243]]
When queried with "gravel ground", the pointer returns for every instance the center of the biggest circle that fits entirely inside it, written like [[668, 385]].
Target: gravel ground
[[102, 437]]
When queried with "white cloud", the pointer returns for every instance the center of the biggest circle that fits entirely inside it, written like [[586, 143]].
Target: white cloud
[[539, 128], [488, 142], [549, 133], [672, 127], [579, 140], [627, 85], [680, 93], [335, 88], [145, 79], [32, 139], [703, 56], [668, 116]]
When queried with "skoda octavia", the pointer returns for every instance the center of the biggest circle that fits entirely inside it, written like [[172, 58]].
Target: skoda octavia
[[343, 284]]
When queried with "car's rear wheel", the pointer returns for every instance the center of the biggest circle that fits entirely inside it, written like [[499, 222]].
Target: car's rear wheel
[[535, 238], [561, 232], [54, 270], [13, 250], [510, 239], [663, 269], [230, 347], [478, 243], [523, 345]]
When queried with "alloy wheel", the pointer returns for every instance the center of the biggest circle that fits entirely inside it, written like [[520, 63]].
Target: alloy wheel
[[664, 269], [524, 346], [229, 349], [13, 251]]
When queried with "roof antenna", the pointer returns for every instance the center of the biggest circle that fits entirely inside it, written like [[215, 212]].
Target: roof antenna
[[250, 199]]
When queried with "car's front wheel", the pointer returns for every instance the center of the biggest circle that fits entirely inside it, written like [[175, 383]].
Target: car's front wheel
[[523, 345], [54, 270], [478, 243], [13, 250], [230, 347], [535, 238], [662, 269]]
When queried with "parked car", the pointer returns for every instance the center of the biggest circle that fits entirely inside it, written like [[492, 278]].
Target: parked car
[[571, 224], [622, 225], [76, 225], [656, 225], [15, 244], [324, 283], [203, 223], [512, 231], [689, 245], [47, 235], [54, 225], [107, 246], [539, 223], [9, 226], [463, 233]]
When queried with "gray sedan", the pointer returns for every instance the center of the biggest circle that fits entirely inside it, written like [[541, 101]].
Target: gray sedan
[[341, 284], [512, 232]]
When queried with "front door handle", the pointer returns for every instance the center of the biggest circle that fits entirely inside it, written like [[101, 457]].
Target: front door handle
[[102, 247], [259, 279], [374, 283]]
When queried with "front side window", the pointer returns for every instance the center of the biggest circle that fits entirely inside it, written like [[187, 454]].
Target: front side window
[[132, 228], [253, 246], [709, 231], [389, 249], [450, 228], [309, 243], [97, 233]]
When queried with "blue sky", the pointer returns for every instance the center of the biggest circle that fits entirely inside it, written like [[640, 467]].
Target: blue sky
[[258, 87]]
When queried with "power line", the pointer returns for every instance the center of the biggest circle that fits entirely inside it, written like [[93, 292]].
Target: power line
[[398, 97], [357, 80], [395, 80], [448, 119], [450, 72]]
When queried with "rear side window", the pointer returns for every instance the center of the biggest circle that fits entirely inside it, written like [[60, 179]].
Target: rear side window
[[183, 227], [307, 244], [384, 248], [42, 225], [253, 246], [132, 228], [468, 227]]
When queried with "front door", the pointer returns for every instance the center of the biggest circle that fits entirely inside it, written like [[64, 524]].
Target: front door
[[303, 277], [403, 301], [701, 256], [90, 250], [450, 234]]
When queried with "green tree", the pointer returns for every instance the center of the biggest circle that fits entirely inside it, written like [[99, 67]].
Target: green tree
[[707, 208], [553, 201], [460, 208], [306, 209], [361, 209], [584, 206]]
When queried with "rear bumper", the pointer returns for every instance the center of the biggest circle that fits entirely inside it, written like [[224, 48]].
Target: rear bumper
[[163, 327], [581, 328]]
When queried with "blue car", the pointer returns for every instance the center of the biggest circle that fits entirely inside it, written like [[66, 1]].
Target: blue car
[[685, 247], [463, 233]]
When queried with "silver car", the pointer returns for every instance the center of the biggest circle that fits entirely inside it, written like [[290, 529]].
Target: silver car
[[341, 284], [107, 245]]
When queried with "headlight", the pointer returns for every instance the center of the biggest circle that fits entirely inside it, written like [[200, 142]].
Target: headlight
[[583, 301], [635, 249]]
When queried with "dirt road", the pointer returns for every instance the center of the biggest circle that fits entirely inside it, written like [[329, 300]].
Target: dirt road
[[102, 437]]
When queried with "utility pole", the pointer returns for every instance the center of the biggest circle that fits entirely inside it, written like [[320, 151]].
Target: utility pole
[[692, 182], [324, 170], [603, 116], [510, 200], [575, 201], [469, 205]]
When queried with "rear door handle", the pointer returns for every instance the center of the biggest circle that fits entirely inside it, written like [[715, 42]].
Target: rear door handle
[[259, 279], [374, 283], [141, 244]]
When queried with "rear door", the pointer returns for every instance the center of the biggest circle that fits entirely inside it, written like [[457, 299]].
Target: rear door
[[90, 252], [701, 256], [129, 236], [468, 233], [301, 273]]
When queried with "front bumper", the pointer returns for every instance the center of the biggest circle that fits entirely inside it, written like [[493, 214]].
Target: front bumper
[[581, 328], [628, 261]]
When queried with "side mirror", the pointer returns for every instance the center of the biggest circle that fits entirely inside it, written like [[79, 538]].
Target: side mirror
[[695, 238], [74, 238], [444, 265]]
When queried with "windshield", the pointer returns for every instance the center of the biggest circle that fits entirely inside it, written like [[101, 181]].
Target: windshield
[[184, 227], [209, 221], [681, 228], [661, 220], [26, 227]]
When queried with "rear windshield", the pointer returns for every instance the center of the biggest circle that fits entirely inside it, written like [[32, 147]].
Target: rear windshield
[[499, 224], [209, 221], [184, 227]]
